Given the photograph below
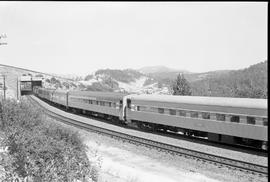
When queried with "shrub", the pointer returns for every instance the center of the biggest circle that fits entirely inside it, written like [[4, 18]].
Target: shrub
[[40, 149]]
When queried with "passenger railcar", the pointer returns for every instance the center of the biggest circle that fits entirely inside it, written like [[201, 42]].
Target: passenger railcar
[[60, 97], [102, 103], [45, 93], [226, 120]]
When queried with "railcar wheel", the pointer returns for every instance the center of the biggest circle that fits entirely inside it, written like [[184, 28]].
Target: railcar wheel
[[264, 146]]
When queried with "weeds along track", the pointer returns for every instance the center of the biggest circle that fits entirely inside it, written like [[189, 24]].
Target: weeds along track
[[219, 161]]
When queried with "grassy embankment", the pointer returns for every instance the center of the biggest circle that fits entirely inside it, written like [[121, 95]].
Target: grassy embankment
[[39, 150]]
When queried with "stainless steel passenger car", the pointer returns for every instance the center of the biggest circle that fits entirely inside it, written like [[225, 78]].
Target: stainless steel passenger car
[[101, 102], [45, 93], [60, 97], [221, 119]]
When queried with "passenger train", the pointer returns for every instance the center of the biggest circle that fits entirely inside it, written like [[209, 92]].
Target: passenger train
[[236, 121]]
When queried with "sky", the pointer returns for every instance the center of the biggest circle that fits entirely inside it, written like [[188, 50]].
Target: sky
[[81, 37]]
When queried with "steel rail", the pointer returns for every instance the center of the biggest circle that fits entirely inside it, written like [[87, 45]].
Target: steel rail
[[188, 153]]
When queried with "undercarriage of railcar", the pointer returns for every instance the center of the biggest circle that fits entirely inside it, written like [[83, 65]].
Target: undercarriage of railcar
[[219, 138]]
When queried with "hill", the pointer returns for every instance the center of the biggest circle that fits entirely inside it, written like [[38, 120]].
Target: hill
[[159, 69], [250, 82], [128, 80]]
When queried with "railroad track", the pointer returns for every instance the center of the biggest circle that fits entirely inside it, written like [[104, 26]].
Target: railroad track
[[188, 153]]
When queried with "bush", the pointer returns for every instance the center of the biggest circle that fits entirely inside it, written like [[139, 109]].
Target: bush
[[41, 150]]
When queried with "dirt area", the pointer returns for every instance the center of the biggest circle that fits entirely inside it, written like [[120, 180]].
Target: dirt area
[[118, 164]]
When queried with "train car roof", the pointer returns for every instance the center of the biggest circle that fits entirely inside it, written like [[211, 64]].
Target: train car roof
[[60, 91], [115, 95], [199, 100], [42, 88]]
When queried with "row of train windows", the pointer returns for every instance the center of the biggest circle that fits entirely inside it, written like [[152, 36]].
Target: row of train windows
[[61, 97], [204, 115], [95, 102]]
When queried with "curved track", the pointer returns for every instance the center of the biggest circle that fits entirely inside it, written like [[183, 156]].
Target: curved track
[[216, 160]]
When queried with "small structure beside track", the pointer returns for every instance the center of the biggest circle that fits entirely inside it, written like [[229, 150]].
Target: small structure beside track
[[27, 83]]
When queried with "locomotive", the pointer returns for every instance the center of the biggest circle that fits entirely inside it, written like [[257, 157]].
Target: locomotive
[[236, 121]]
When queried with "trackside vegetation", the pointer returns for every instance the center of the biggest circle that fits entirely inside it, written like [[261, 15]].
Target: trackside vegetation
[[38, 150]]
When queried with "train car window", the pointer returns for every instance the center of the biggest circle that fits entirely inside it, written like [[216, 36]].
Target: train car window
[[235, 119], [206, 115], [172, 112], [250, 120], [128, 103], [143, 108], [138, 108], [182, 113], [110, 104], [90, 102], [221, 117], [153, 109], [133, 107], [265, 121], [193, 114], [121, 104], [161, 110]]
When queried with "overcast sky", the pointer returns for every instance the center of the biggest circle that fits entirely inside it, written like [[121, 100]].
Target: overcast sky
[[80, 37]]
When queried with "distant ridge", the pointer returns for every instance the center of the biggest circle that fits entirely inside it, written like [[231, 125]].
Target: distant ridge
[[159, 69]]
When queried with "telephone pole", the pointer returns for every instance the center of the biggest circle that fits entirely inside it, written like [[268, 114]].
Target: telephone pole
[[4, 84], [4, 87]]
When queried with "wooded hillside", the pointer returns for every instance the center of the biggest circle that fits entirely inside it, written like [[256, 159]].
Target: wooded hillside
[[250, 82]]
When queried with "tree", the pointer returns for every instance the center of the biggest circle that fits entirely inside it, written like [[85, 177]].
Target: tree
[[181, 86]]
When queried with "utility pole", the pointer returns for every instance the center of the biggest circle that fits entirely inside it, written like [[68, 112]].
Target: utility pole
[[17, 88], [4, 84], [4, 87]]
